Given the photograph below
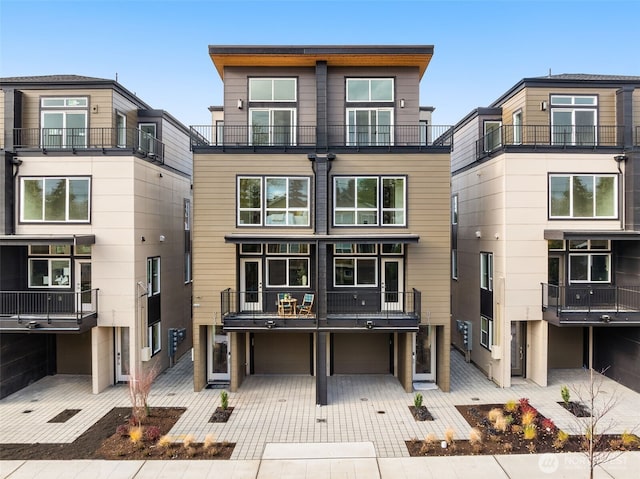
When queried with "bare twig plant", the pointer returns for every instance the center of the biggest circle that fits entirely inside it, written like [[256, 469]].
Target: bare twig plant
[[592, 430], [140, 384]]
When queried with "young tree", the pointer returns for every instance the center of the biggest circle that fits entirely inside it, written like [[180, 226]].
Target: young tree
[[140, 384]]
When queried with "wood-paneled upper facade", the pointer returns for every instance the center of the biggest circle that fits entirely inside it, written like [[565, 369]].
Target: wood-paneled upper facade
[[321, 179]]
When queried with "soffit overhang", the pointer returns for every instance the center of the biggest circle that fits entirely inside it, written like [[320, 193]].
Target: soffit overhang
[[26, 240], [239, 238], [307, 56], [593, 235]]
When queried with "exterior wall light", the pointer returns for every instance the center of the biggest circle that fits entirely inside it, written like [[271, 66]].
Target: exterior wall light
[[239, 103]]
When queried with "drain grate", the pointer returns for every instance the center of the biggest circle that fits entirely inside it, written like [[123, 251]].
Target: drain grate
[[321, 419], [380, 412], [364, 399], [27, 411]]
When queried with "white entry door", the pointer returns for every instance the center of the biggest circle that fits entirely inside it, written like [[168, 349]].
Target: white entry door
[[123, 368], [83, 285], [392, 284], [250, 284], [424, 354], [219, 356]]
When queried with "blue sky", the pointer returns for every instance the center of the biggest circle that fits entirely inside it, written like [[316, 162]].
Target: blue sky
[[159, 48]]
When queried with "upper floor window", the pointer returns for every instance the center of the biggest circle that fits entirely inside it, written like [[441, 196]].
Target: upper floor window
[[147, 137], [369, 126], [272, 89], [369, 89], [573, 119], [121, 130], [369, 200], [272, 126], [454, 210], [517, 127], [583, 196], [55, 199], [64, 122], [187, 239], [486, 271], [492, 135], [273, 201]]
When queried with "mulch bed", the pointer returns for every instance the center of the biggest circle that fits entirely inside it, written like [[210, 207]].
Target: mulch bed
[[101, 441], [576, 408], [511, 441], [421, 413], [221, 415]]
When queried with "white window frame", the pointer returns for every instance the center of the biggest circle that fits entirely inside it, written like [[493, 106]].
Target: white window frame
[[374, 137], [121, 130], [288, 280], [573, 104], [153, 270], [154, 338], [517, 127], [288, 249], [454, 263], [49, 280], [63, 106], [486, 332], [378, 211], [146, 137], [454, 209], [486, 271], [43, 179], [595, 176], [272, 128], [273, 83], [289, 213], [589, 256], [369, 80], [187, 241], [492, 139]]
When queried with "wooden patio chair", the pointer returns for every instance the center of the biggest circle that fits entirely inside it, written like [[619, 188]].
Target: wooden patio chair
[[307, 303]]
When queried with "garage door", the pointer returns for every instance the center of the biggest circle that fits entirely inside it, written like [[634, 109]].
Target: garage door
[[361, 353], [282, 353]]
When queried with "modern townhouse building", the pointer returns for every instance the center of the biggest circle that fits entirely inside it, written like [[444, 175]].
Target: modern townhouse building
[[321, 218], [546, 229], [95, 231]]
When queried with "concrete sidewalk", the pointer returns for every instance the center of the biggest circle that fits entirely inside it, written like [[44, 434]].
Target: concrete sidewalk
[[280, 432]]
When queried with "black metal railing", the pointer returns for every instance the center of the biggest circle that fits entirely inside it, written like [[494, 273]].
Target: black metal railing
[[590, 298], [89, 138], [349, 304], [309, 136], [550, 135], [49, 305]]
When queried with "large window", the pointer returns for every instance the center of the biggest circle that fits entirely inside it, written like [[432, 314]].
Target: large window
[[355, 264], [272, 89], [64, 122], [370, 89], [369, 200], [49, 272], [55, 199], [589, 261], [285, 201], [486, 271], [291, 272], [583, 196], [573, 120]]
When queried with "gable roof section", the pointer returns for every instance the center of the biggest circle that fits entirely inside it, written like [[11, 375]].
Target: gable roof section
[[307, 56]]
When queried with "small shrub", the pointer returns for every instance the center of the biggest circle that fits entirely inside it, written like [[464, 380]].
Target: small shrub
[[616, 444], [417, 400], [560, 440], [209, 441], [508, 447], [516, 428], [501, 424], [152, 433], [165, 441], [509, 419], [531, 447], [523, 403], [122, 430], [495, 414], [528, 418], [224, 400], [188, 441], [548, 425], [529, 432], [449, 434], [629, 440], [136, 434], [511, 405], [475, 436], [430, 439], [565, 394]]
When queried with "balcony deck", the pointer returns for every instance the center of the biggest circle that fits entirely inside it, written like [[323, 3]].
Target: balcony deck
[[48, 311], [591, 305]]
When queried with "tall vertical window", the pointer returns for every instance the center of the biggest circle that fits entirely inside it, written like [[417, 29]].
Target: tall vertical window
[[574, 119], [583, 196], [187, 240], [121, 130], [517, 128], [147, 137], [51, 199], [64, 122], [154, 328], [454, 210], [492, 135], [486, 332], [454, 263], [370, 112], [486, 271], [272, 125]]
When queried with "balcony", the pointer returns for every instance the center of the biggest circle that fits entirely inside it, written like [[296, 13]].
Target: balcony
[[90, 139], [354, 309], [337, 136], [591, 305], [556, 137], [48, 311]]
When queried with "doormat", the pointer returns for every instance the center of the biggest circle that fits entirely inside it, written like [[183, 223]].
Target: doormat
[[424, 386], [217, 386], [65, 415]]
